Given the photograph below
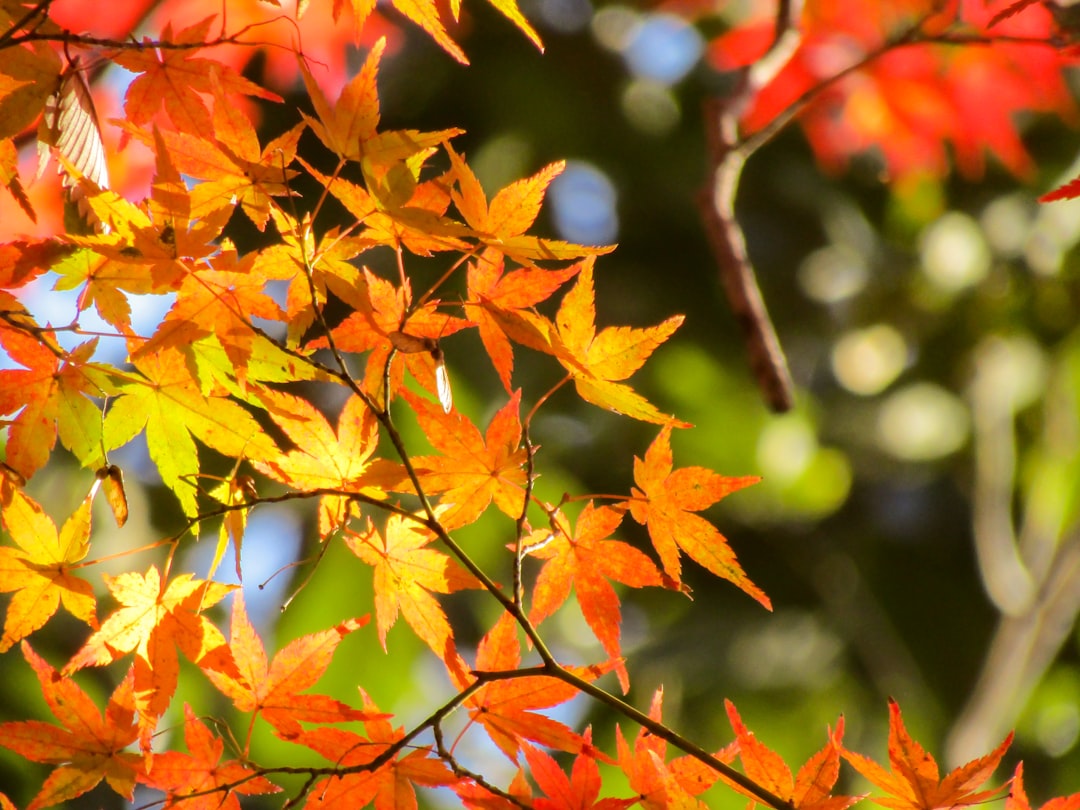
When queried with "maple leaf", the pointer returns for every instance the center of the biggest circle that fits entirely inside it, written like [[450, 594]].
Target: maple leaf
[[507, 709], [581, 791], [22, 261], [597, 362], [473, 470], [272, 690], [811, 788], [219, 302], [477, 797], [142, 249], [914, 782], [418, 767], [909, 103], [87, 747], [305, 264], [325, 459], [39, 571], [349, 128], [390, 786], [665, 501], [1018, 799], [406, 575], [659, 783], [199, 779], [52, 395], [512, 211], [410, 215], [585, 558], [231, 164], [35, 72], [386, 317], [491, 291], [168, 405], [174, 78], [155, 618]]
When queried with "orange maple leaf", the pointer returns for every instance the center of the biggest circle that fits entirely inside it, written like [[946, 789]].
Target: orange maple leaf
[[406, 575], [811, 788], [88, 746], [585, 558], [39, 571], [174, 79], [52, 395], [1018, 799], [597, 361], [199, 779], [349, 128], [659, 783], [492, 291], [140, 249], [666, 502], [307, 263], [581, 791], [228, 159], [914, 782], [219, 302], [153, 620], [401, 210], [512, 211], [325, 459], [390, 786], [381, 325], [273, 690], [473, 470], [507, 708]]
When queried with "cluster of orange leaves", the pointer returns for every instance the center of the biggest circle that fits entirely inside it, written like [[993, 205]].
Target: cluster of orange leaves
[[210, 375]]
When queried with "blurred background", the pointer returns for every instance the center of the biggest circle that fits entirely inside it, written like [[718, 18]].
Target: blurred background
[[916, 523]]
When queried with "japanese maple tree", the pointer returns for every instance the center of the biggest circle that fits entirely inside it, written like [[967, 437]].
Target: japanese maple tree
[[310, 365]]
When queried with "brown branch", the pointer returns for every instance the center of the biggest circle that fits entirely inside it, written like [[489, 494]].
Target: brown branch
[[728, 152], [726, 160]]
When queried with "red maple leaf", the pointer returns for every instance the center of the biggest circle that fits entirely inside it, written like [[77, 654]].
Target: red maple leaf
[[1018, 799], [911, 101]]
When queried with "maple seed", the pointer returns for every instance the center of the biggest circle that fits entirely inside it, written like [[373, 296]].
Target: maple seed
[[442, 380], [411, 344]]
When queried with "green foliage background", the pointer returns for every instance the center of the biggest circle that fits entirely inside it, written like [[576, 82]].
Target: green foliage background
[[867, 555]]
